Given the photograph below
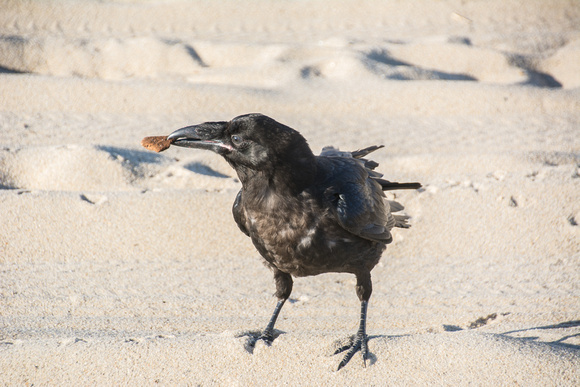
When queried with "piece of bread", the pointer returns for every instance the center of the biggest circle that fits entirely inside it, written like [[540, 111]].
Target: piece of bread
[[156, 143]]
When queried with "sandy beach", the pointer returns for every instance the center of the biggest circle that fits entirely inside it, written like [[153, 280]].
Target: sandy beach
[[121, 266]]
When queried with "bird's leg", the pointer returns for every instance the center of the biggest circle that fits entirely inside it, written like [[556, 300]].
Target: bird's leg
[[268, 332], [283, 290], [360, 341]]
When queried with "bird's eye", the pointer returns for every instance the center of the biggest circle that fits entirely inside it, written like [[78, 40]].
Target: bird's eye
[[237, 140]]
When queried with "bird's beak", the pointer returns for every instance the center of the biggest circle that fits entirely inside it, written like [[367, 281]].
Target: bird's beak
[[203, 136]]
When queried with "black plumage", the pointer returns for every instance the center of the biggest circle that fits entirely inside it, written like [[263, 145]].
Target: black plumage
[[306, 214]]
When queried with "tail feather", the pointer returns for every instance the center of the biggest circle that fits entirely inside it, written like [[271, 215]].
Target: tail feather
[[401, 221], [398, 220], [395, 206], [392, 185]]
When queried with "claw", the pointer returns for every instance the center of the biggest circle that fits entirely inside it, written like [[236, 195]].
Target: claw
[[266, 337], [360, 343], [365, 351]]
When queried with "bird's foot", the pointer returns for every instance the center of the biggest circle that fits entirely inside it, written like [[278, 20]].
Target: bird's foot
[[267, 337], [359, 342]]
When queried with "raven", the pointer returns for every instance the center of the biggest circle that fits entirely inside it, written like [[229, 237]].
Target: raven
[[306, 214]]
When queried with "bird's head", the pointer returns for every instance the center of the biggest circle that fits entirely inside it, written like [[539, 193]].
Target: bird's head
[[252, 142]]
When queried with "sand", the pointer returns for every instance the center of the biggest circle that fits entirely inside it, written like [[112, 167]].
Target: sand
[[121, 266]]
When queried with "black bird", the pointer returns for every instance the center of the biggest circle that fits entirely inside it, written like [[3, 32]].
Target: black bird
[[305, 214]]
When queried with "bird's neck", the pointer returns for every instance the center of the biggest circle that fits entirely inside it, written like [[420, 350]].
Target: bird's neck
[[288, 176], [293, 179]]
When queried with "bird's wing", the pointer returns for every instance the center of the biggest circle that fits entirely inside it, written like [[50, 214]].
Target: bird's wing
[[358, 200], [239, 216], [362, 211]]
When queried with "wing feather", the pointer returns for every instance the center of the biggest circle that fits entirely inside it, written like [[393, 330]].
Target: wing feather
[[359, 200]]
